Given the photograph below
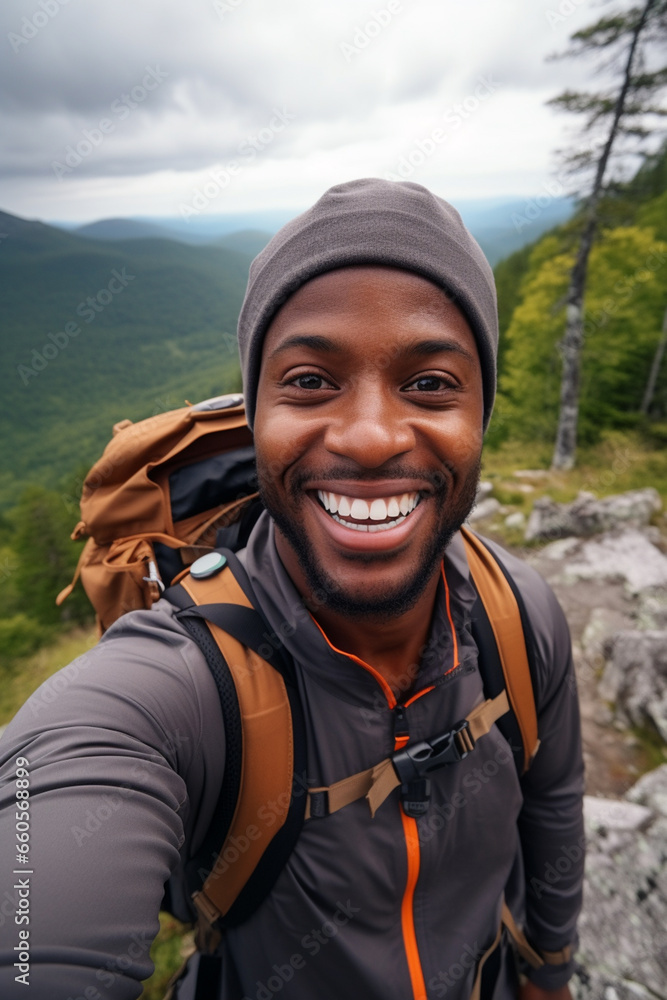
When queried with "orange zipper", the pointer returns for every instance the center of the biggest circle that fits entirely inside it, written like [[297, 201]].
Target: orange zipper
[[410, 829], [411, 834]]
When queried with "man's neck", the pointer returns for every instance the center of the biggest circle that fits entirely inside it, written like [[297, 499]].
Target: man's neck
[[392, 647]]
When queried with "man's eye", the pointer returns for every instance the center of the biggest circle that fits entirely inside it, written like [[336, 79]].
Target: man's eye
[[309, 382], [428, 383]]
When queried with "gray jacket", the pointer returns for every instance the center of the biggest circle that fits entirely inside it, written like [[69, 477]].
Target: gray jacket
[[126, 753]]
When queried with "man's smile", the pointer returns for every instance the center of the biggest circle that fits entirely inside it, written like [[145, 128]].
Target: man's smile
[[366, 517], [372, 514]]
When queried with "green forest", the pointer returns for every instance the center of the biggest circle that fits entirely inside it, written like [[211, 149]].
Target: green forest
[[625, 304]]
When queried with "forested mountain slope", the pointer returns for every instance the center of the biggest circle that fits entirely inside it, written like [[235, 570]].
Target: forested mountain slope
[[94, 331], [624, 310]]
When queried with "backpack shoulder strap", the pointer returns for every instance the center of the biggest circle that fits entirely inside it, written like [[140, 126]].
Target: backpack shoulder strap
[[503, 633], [261, 806]]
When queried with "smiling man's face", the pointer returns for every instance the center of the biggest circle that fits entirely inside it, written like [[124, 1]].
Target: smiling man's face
[[368, 434]]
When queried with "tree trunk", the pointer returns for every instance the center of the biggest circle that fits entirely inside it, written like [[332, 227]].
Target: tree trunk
[[573, 339], [655, 369]]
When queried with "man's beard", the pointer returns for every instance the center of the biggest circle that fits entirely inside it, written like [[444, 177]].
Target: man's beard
[[324, 587]]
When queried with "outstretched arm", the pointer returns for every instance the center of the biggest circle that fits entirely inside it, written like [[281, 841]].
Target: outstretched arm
[[113, 753]]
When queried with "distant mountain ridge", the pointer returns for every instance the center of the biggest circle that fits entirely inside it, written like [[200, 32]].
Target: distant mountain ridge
[[125, 229], [95, 331], [500, 225]]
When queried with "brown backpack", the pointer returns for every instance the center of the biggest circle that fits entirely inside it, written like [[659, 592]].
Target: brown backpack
[[156, 499]]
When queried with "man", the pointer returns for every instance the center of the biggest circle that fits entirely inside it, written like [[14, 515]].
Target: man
[[368, 342]]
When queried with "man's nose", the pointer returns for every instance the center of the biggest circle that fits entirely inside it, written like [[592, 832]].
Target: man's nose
[[370, 427]]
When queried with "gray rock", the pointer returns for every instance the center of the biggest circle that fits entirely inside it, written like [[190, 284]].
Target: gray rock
[[627, 556], [651, 791], [561, 549], [602, 625], [652, 610], [516, 520], [587, 515], [623, 927], [612, 814], [484, 490], [485, 508], [635, 678]]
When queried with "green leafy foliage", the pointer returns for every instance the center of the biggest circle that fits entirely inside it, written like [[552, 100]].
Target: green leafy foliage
[[19, 637], [45, 558], [624, 305]]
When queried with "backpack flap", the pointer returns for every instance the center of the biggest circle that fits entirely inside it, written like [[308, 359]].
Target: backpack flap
[[156, 498]]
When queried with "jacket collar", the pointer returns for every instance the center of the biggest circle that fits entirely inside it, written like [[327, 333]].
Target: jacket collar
[[293, 627]]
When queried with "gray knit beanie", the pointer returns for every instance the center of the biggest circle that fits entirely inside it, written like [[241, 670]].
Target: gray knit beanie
[[371, 221]]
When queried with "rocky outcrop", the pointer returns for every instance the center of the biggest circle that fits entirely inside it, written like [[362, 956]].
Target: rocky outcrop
[[635, 678], [627, 556], [485, 504], [623, 927], [587, 515]]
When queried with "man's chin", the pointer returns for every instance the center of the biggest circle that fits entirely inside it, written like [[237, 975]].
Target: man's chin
[[376, 596]]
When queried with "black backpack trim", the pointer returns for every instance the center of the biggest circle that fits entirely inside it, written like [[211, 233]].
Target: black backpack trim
[[248, 626]]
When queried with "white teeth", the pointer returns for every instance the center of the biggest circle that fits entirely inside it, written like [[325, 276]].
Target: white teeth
[[359, 510], [344, 507], [378, 511], [368, 527]]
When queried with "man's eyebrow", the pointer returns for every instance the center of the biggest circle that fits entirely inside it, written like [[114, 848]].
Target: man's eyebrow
[[312, 340], [437, 346], [409, 350]]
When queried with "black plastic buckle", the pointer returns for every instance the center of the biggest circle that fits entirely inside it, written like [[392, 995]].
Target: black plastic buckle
[[415, 797], [415, 760]]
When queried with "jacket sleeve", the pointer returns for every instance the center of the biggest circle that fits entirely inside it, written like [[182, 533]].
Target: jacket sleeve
[[113, 750], [551, 821]]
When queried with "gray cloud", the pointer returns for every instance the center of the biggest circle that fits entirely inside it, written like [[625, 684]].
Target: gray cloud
[[347, 72]]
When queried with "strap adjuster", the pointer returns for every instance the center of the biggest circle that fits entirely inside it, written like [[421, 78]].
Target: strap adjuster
[[319, 802], [416, 760]]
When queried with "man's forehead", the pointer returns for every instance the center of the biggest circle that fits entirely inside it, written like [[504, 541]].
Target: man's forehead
[[330, 313], [391, 288]]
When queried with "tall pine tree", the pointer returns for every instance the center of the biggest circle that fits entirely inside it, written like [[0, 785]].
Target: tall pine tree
[[619, 116]]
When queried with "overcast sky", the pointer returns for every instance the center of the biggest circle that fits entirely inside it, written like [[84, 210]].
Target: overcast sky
[[133, 107]]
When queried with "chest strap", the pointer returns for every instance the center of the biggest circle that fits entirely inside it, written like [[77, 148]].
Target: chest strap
[[412, 762]]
